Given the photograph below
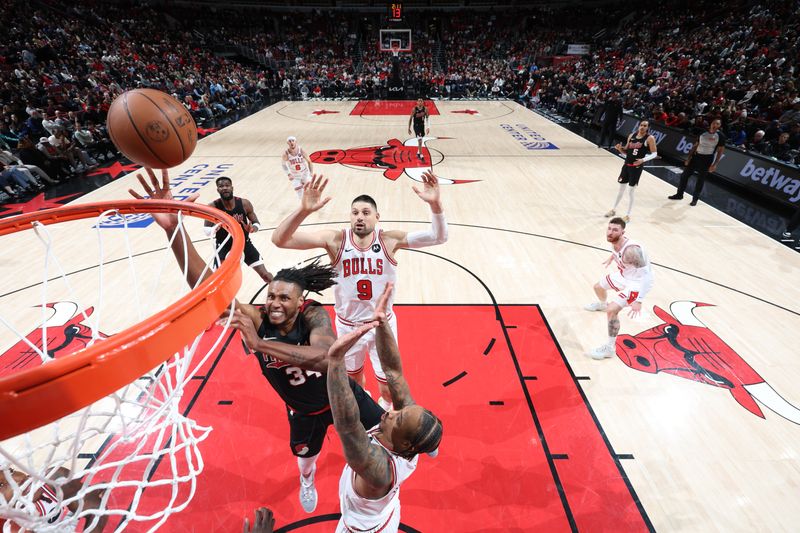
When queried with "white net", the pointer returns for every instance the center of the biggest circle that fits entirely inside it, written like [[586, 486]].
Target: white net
[[131, 457]]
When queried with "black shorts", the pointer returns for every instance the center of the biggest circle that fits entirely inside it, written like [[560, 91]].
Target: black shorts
[[419, 130], [630, 175], [251, 256], [307, 432]]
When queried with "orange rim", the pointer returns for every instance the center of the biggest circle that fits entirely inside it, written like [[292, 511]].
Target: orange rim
[[40, 395]]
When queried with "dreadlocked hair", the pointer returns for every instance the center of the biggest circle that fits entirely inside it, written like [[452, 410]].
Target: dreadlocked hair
[[428, 436], [313, 277]]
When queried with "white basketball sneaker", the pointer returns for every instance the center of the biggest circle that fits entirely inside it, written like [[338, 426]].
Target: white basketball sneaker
[[596, 306], [603, 352], [308, 493]]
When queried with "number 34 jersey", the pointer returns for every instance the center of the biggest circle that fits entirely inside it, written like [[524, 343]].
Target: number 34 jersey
[[363, 274]]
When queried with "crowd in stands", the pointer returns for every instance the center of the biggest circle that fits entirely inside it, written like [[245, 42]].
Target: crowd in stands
[[677, 63]]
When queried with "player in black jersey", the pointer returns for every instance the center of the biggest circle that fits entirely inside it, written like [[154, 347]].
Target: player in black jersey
[[421, 121], [242, 211], [290, 337], [639, 148]]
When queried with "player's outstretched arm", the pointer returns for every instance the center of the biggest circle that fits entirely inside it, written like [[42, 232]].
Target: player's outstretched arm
[[370, 462], [185, 253], [389, 354], [286, 234], [313, 357], [437, 233]]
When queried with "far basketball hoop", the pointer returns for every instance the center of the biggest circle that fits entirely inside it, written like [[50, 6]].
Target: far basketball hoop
[[394, 41]]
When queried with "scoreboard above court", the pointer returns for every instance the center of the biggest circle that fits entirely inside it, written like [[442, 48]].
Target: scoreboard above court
[[395, 12]]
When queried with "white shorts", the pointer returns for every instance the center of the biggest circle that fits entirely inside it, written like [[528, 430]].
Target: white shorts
[[354, 359], [298, 182], [615, 282], [391, 526]]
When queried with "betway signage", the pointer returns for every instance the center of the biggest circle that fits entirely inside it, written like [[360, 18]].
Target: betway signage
[[758, 173]]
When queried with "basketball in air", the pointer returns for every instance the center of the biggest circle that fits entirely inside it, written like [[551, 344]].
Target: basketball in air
[[151, 128]]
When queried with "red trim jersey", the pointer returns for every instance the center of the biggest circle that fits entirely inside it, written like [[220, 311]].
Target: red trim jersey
[[298, 168], [362, 515], [363, 274]]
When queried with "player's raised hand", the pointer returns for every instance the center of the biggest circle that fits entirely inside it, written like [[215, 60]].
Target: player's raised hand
[[345, 342], [264, 522], [156, 190], [312, 194], [383, 303], [430, 190]]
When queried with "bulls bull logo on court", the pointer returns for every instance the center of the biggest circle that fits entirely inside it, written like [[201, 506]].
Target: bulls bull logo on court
[[62, 333], [685, 347], [395, 158]]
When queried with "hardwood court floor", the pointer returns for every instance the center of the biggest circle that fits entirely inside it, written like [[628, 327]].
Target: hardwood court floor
[[529, 229]]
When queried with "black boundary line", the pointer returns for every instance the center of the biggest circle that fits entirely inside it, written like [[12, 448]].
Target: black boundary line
[[511, 327], [225, 402], [561, 456], [136, 129], [489, 347], [169, 121], [625, 456], [503, 230], [530, 378], [588, 406], [583, 378], [453, 380], [540, 431], [497, 402]]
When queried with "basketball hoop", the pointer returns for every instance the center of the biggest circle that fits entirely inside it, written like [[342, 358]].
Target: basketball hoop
[[108, 412], [395, 49]]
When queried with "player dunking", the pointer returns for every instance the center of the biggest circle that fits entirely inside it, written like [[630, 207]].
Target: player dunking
[[242, 211], [638, 150], [290, 337], [631, 284], [297, 165], [421, 121], [364, 258]]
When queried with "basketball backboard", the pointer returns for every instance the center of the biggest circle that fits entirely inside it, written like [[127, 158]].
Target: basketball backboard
[[394, 40]]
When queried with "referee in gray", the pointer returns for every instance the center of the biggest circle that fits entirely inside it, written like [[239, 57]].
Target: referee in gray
[[704, 158]]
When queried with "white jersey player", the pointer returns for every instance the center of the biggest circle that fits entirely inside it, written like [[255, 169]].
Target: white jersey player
[[378, 461], [297, 165], [631, 281], [364, 257], [367, 514]]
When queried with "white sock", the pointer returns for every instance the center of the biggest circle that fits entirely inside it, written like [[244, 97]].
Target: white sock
[[307, 465], [619, 194], [631, 190], [612, 342]]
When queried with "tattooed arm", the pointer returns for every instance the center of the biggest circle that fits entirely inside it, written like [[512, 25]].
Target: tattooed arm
[[370, 462], [389, 355], [313, 357]]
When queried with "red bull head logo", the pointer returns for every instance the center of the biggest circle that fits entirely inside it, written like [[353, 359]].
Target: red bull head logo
[[63, 333], [683, 346], [395, 158]]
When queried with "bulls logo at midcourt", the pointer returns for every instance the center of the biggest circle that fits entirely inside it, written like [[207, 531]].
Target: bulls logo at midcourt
[[62, 333], [685, 347], [395, 158]]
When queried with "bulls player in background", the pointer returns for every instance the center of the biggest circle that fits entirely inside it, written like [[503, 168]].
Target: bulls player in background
[[364, 258], [630, 283], [241, 209], [637, 150], [297, 165], [47, 503], [421, 122], [290, 337]]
